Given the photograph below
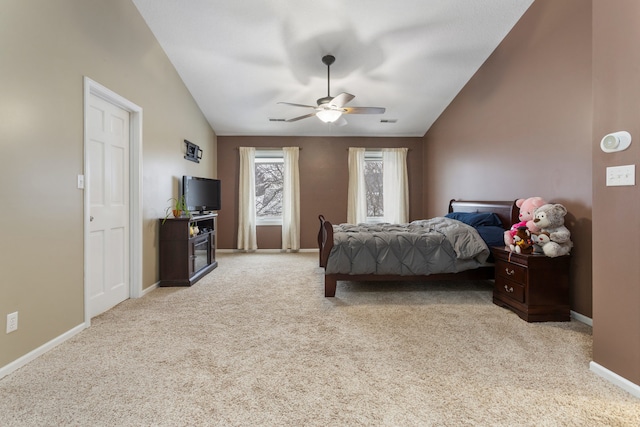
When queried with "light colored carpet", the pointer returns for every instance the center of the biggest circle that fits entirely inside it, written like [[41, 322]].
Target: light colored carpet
[[256, 343]]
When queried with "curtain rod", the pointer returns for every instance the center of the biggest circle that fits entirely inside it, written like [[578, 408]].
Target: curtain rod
[[270, 148], [377, 149]]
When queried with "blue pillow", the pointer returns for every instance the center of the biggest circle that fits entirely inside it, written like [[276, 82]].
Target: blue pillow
[[491, 234], [476, 219]]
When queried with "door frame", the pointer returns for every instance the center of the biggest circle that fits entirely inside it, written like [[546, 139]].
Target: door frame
[[92, 87]]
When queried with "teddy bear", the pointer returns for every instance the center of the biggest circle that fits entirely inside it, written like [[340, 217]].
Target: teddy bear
[[527, 208], [554, 237], [522, 243]]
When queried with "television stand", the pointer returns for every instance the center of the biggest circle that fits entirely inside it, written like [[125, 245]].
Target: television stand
[[187, 258]]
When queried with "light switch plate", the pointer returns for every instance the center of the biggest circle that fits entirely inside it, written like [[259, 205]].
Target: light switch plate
[[621, 175]]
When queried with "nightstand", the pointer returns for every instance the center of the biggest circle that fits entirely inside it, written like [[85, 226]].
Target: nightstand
[[535, 287]]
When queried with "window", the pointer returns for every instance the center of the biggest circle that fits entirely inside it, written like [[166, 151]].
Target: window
[[373, 174], [269, 175], [378, 190]]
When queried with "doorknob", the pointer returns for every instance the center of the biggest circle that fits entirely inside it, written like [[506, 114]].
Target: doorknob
[[90, 218]]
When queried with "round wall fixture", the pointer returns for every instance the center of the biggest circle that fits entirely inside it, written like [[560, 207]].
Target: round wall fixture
[[616, 141]]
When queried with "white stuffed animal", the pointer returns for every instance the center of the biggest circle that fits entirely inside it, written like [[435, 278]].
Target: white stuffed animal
[[554, 237]]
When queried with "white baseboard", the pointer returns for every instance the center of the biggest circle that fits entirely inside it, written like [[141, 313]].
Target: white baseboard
[[615, 379], [582, 318], [19, 363], [149, 289], [273, 251]]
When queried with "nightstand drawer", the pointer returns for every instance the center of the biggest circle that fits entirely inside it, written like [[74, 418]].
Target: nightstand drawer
[[534, 286], [511, 271], [511, 289]]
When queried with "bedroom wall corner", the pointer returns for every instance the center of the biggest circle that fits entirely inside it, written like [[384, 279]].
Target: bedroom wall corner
[[616, 289], [521, 127]]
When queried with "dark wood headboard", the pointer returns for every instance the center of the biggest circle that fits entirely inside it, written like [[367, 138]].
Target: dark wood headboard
[[507, 211]]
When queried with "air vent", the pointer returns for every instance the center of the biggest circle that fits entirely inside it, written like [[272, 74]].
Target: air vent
[[388, 120], [277, 120]]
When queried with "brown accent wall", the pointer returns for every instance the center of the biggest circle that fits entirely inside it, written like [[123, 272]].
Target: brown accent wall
[[324, 176], [616, 248], [522, 127]]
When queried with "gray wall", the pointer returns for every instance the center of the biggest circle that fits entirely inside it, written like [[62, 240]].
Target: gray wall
[[46, 47]]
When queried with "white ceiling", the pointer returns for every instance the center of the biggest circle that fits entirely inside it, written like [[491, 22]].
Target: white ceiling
[[239, 58]]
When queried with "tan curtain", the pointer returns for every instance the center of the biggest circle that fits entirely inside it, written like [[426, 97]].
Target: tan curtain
[[394, 185], [291, 200], [357, 192], [246, 201]]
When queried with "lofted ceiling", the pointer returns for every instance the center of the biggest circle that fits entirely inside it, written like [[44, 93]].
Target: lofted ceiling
[[239, 58]]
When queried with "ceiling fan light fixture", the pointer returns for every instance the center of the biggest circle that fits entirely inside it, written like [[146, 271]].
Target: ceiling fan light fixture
[[328, 116]]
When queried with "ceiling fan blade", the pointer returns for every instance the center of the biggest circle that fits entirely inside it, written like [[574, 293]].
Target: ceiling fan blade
[[295, 119], [341, 100], [364, 110], [297, 105]]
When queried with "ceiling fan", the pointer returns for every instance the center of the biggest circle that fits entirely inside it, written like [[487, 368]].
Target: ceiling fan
[[330, 109]]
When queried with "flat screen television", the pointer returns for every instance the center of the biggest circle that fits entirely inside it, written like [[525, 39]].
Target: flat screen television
[[201, 194]]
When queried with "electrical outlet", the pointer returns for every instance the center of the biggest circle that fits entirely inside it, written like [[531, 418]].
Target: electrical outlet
[[12, 322]]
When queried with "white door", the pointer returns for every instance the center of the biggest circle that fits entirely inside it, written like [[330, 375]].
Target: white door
[[108, 184]]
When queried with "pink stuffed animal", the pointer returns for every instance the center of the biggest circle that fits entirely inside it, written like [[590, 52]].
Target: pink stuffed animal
[[526, 216]]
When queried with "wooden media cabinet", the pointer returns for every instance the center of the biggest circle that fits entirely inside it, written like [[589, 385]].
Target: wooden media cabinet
[[186, 258]]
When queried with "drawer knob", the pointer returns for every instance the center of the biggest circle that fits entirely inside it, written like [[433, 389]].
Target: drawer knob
[[509, 272], [508, 289]]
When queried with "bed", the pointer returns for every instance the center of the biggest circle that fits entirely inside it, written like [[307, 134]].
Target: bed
[[455, 246]]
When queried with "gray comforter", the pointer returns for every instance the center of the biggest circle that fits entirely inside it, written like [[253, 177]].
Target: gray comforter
[[431, 246]]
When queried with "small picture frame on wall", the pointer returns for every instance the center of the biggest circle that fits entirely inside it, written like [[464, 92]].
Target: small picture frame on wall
[[193, 152]]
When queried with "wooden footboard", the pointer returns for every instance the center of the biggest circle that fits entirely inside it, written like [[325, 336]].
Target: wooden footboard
[[331, 280], [507, 211]]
